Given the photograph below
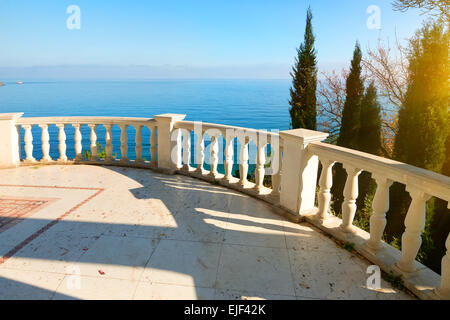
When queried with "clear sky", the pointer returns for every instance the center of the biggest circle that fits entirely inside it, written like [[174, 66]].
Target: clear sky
[[195, 34]]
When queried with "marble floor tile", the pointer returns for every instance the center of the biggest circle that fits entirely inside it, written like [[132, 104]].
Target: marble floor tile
[[185, 263]]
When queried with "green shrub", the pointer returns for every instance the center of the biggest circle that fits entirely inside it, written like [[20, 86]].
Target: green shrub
[[101, 153]]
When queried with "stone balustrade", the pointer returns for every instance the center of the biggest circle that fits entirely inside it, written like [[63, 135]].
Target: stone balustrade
[[93, 123], [291, 159], [233, 138], [421, 185]]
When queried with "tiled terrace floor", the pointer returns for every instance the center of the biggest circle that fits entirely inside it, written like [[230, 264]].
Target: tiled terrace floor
[[94, 232]]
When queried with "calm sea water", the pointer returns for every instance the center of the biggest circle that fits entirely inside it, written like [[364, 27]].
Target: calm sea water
[[259, 104]]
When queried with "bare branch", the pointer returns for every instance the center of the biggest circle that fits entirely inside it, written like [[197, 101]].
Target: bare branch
[[330, 101], [388, 67], [330, 104], [389, 70], [437, 8]]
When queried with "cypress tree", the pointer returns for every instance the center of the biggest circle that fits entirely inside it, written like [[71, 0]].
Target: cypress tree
[[423, 117], [349, 131], [369, 137], [369, 140], [441, 220], [304, 82], [348, 135]]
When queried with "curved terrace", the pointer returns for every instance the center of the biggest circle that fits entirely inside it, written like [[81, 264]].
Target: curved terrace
[[185, 223]]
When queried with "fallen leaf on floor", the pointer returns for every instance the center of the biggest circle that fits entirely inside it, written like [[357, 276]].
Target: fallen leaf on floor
[[304, 285], [201, 263]]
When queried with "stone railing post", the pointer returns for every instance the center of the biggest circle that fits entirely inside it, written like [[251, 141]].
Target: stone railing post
[[325, 183], [228, 156], [62, 142], [168, 144], [77, 138], [414, 226], [380, 206], [9, 140], [109, 145], [28, 139], [138, 141], [153, 150], [298, 182], [443, 290], [350, 195]]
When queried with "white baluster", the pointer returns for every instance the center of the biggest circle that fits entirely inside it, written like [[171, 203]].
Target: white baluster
[[62, 142], [260, 162], [444, 289], [108, 140], [325, 183], [229, 157], [123, 142], [186, 149], [380, 206], [350, 195], [138, 140], [276, 178], [28, 139], [78, 148], [93, 141], [45, 143], [153, 147], [176, 147], [200, 153], [243, 165], [414, 225], [214, 158]]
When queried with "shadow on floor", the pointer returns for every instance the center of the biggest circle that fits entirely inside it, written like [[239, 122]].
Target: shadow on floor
[[200, 212]]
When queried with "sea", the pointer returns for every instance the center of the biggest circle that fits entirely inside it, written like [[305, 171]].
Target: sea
[[258, 104]]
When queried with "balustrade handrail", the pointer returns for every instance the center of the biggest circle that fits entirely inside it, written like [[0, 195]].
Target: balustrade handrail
[[427, 181], [86, 120], [189, 125]]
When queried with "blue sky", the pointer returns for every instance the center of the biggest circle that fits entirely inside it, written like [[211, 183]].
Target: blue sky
[[194, 34]]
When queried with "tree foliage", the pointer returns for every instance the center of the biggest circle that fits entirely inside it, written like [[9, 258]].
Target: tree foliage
[[304, 82], [370, 122], [423, 130], [369, 140], [350, 124], [388, 66], [348, 135], [423, 117]]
